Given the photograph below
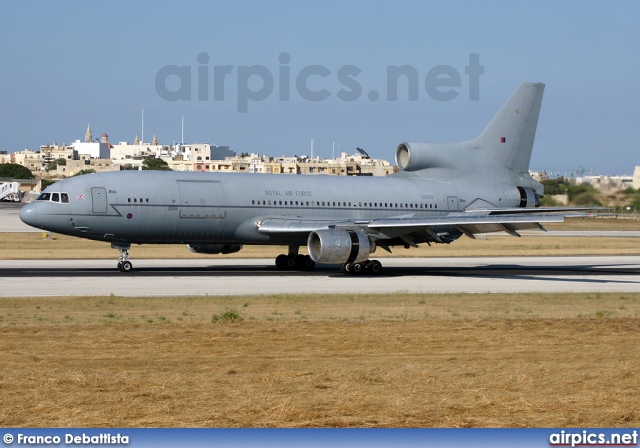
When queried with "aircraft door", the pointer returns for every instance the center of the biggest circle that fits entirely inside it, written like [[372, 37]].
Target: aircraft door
[[201, 200], [99, 200], [453, 203]]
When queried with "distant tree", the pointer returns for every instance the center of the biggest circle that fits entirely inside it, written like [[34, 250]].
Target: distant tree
[[86, 171], [577, 190], [15, 171], [62, 162], [155, 164], [549, 201], [586, 199], [45, 183], [244, 154], [554, 186]]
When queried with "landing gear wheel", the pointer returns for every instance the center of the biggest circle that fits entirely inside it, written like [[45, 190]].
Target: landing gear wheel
[[374, 267], [356, 268], [125, 266], [293, 261], [345, 269], [304, 263], [281, 261], [290, 262]]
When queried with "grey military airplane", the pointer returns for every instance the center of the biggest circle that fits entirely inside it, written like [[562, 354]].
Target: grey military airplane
[[442, 192]]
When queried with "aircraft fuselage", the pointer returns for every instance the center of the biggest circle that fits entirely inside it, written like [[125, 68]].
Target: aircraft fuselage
[[173, 207]]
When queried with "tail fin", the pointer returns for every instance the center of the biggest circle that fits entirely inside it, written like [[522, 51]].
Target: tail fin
[[509, 137]]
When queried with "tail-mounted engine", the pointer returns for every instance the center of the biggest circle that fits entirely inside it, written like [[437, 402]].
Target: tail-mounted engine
[[528, 198], [214, 249], [338, 246], [420, 156]]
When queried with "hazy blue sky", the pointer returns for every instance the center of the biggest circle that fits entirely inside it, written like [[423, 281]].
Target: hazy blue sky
[[66, 64]]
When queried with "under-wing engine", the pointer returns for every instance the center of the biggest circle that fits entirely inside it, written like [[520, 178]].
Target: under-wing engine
[[338, 246], [213, 249]]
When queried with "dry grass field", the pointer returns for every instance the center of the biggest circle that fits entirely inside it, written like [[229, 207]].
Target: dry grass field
[[431, 360], [517, 360]]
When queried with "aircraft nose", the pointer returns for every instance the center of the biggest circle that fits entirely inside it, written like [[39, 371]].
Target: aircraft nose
[[29, 215]]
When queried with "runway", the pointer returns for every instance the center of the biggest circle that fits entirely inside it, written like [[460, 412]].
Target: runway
[[259, 276]]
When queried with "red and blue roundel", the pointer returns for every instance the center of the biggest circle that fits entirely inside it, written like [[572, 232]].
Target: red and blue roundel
[[129, 216]]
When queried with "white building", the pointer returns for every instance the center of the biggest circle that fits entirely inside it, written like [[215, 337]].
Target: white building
[[636, 178], [93, 150]]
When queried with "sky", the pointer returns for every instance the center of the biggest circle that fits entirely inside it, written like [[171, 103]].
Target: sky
[[267, 77]]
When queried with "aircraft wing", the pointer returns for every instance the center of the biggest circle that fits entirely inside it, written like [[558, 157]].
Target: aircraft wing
[[469, 223]]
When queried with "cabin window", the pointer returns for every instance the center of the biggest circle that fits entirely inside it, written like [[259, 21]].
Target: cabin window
[[55, 197], [64, 198], [253, 201], [128, 199]]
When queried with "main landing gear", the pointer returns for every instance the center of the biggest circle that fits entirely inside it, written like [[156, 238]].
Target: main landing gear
[[124, 265], [294, 261], [369, 267]]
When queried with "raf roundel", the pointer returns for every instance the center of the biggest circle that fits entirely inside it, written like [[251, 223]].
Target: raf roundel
[[129, 216]]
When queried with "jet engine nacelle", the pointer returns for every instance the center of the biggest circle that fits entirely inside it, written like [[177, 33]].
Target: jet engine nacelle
[[338, 246], [420, 156], [214, 248]]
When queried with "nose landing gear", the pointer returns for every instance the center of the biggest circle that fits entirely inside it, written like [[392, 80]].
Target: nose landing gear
[[124, 265]]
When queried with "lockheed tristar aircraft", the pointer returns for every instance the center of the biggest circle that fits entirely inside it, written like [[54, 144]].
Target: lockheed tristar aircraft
[[442, 191]]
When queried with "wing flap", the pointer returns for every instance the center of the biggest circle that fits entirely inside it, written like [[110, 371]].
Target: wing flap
[[395, 227]]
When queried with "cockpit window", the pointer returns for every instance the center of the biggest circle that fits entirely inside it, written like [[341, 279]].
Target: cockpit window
[[54, 197]]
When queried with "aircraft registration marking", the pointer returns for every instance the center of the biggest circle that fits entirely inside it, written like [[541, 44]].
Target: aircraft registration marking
[[288, 193]]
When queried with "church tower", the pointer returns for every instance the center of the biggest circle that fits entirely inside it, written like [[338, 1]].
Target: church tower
[[87, 136]]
